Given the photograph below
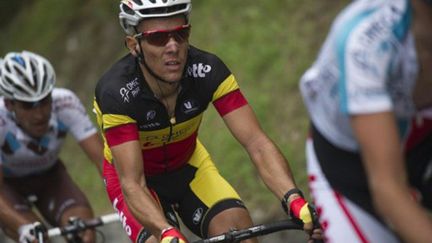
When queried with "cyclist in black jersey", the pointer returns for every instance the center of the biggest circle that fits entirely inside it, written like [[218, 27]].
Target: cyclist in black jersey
[[149, 106]]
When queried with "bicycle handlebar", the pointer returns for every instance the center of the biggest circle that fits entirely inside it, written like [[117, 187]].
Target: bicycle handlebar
[[78, 225], [258, 230]]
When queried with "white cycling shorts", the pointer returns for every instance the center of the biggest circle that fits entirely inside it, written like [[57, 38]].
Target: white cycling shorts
[[342, 220]]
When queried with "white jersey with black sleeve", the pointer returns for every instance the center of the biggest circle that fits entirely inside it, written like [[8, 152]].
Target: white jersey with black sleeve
[[367, 64], [22, 155]]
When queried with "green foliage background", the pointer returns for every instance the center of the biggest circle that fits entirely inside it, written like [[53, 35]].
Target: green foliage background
[[268, 44]]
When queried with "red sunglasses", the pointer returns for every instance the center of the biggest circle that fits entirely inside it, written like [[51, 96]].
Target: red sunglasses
[[161, 37]]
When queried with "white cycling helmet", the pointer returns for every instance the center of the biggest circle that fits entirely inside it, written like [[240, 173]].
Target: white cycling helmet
[[26, 76], [133, 11]]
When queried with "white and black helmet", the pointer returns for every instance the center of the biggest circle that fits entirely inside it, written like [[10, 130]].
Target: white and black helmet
[[133, 11], [26, 76]]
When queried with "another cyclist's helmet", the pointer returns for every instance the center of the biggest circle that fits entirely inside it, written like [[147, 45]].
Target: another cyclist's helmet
[[26, 76], [133, 11], [1, 63]]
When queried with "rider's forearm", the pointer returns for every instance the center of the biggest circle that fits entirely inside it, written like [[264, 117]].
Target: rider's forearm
[[129, 164], [394, 203], [10, 217], [272, 166], [144, 208], [387, 180]]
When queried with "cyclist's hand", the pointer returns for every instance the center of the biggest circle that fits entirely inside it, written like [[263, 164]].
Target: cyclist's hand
[[172, 235], [317, 235], [300, 209], [25, 233], [296, 206]]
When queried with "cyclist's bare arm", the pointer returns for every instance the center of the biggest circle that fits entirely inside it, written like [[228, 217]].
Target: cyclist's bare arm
[[129, 166], [378, 137], [8, 215], [93, 147], [423, 38], [270, 162]]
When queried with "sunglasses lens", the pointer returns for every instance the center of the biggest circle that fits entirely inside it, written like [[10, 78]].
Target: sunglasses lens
[[158, 38], [161, 38], [181, 35]]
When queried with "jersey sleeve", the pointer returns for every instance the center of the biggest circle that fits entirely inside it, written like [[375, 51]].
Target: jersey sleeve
[[226, 94], [72, 114], [113, 118], [366, 48]]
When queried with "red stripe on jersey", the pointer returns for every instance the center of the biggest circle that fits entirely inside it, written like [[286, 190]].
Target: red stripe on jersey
[[170, 157], [121, 134], [230, 102]]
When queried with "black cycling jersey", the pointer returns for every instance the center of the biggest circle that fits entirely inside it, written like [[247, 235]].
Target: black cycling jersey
[[127, 108]]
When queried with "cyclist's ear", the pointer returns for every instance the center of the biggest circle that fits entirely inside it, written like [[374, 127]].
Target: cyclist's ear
[[132, 44]]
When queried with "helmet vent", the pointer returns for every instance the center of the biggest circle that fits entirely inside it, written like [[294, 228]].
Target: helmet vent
[[163, 10], [127, 10], [20, 72], [44, 77], [9, 82], [33, 70], [20, 89]]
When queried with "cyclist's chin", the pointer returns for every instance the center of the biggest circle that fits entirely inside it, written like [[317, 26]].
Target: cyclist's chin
[[173, 77], [37, 131]]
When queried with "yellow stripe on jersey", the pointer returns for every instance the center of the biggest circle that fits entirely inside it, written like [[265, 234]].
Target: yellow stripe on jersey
[[106, 150], [98, 112], [113, 120], [228, 85], [180, 131]]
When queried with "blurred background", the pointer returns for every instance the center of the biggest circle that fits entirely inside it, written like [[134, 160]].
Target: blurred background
[[267, 44]]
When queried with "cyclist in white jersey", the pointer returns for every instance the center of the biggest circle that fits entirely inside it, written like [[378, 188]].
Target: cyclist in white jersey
[[359, 97], [34, 120]]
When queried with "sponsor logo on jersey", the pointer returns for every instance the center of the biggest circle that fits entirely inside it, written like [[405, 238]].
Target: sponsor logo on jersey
[[378, 30], [199, 70], [150, 125], [150, 115], [362, 59], [123, 218], [197, 215], [131, 89], [190, 106]]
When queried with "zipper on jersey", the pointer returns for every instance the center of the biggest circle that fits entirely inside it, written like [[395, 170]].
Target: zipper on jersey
[[165, 146], [172, 122]]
